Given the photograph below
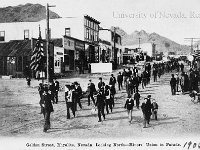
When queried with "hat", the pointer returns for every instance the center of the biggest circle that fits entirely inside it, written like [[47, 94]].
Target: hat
[[149, 96], [76, 83], [100, 78]]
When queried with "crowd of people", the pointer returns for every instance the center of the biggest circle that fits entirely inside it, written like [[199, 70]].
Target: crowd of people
[[103, 96]]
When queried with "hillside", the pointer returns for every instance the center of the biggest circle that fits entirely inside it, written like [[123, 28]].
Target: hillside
[[163, 44], [23, 13]]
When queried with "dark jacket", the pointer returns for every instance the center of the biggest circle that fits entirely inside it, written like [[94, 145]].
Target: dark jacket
[[119, 78], [112, 81], [173, 82], [137, 96], [129, 104], [101, 84], [46, 100], [146, 109], [78, 92], [91, 88], [100, 100]]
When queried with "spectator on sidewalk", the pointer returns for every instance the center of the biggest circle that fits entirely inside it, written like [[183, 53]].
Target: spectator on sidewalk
[[129, 106], [28, 79]]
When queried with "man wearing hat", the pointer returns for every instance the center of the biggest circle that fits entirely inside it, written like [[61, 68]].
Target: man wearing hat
[[146, 110], [100, 104], [173, 85], [129, 106], [101, 84], [91, 90], [119, 80], [48, 108], [77, 95]]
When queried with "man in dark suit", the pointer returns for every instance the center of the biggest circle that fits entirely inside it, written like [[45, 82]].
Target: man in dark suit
[[119, 80], [77, 95], [91, 90], [146, 110], [48, 108], [100, 104], [173, 85], [101, 84]]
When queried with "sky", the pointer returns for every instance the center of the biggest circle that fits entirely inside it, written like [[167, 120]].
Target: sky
[[174, 19]]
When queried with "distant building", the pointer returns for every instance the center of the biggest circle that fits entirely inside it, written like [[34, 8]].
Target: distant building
[[146, 48], [105, 48], [115, 55]]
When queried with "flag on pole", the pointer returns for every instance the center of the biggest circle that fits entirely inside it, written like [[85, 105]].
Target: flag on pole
[[36, 58]]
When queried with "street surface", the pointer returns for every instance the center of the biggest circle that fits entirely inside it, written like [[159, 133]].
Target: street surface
[[19, 109]]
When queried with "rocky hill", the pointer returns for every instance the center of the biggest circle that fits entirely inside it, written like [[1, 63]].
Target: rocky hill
[[23, 13], [163, 44]]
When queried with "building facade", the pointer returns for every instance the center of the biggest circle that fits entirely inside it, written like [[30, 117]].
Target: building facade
[[114, 38], [83, 30]]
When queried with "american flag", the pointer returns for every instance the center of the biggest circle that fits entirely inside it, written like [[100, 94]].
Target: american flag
[[36, 58]]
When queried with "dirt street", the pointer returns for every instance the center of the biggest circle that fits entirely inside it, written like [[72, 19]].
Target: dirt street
[[19, 109]]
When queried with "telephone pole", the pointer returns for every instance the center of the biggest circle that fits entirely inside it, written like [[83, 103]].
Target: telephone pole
[[139, 42], [48, 39]]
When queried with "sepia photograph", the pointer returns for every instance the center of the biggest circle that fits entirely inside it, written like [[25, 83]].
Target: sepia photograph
[[99, 74]]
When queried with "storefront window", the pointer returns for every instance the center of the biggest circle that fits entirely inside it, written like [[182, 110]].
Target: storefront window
[[26, 34]]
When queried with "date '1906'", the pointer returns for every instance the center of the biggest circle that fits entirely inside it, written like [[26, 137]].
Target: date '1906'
[[191, 145]]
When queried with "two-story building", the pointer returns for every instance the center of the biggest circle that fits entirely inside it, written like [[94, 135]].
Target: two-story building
[[82, 28], [114, 38]]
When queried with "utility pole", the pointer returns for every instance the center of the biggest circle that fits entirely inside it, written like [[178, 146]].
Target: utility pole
[[139, 41], [47, 38], [192, 40], [115, 53]]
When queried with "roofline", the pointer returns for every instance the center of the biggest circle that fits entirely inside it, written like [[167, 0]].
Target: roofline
[[87, 16], [73, 38]]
